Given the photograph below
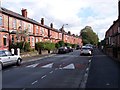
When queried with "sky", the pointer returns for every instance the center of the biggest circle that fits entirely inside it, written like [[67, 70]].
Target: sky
[[99, 14]]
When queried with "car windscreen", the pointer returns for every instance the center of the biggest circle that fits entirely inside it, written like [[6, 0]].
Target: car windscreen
[[2, 53], [85, 48]]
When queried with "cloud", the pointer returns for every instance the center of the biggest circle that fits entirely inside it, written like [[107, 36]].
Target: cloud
[[99, 14]]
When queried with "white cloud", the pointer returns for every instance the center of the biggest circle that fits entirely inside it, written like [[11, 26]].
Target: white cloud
[[60, 12]]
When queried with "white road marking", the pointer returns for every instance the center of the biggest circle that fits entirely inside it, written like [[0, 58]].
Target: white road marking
[[70, 66], [43, 76], [34, 82], [87, 69], [56, 69], [89, 60], [7, 71], [51, 72], [23, 88], [107, 84], [48, 65], [33, 65]]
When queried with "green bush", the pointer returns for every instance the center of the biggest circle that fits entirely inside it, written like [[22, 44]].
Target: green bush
[[39, 45], [19, 45], [27, 46], [61, 43], [57, 45], [49, 46], [74, 45], [67, 44]]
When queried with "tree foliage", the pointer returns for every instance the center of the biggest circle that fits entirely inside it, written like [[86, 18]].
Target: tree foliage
[[88, 36]]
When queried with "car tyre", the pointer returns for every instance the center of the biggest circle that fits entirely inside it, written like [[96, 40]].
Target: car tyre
[[19, 62]]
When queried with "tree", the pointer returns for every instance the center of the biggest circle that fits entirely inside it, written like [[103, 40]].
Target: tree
[[88, 36], [22, 35]]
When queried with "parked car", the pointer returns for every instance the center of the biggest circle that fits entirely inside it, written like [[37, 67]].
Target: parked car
[[85, 51], [77, 47], [63, 50], [70, 49], [6, 58]]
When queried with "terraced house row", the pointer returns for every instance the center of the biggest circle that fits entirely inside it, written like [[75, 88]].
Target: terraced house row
[[112, 38], [11, 22]]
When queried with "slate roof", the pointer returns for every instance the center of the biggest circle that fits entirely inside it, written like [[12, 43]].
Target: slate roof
[[16, 15]]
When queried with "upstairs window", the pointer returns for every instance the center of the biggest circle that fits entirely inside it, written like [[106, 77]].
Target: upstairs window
[[37, 30], [42, 31], [20, 25], [1, 21], [14, 24], [29, 28]]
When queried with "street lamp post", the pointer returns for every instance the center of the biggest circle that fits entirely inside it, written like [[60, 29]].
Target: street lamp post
[[62, 29]]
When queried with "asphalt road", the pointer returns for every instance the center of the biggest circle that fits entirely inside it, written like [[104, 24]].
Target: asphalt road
[[104, 72], [59, 71]]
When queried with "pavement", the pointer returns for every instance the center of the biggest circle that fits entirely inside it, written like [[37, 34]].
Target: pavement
[[34, 58], [104, 72]]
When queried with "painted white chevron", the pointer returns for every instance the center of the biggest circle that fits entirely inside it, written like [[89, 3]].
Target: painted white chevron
[[48, 65], [70, 66], [33, 65]]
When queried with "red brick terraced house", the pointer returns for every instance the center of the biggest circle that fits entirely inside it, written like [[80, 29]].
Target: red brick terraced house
[[11, 23], [112, 40]]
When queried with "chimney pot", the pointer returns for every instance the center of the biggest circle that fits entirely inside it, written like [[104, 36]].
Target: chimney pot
[[24, 12], [42, 21], [51, 25]]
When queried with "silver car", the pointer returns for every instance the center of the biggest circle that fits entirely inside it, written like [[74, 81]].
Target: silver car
[[85, 51], [6, 58]]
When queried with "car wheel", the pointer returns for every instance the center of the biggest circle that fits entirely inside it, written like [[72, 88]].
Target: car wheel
[[19, 62]]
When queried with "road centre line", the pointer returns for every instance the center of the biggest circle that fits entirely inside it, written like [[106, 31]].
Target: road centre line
[[23, 88], [89, 60], [7, 71], [87, 69], [56, 69], [43, 76], [51, 72], [34, 82]]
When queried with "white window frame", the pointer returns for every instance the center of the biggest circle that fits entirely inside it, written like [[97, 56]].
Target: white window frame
[[33, 41], [14, 23], [40, 39], [5, 37], [37, 29], [42, 30], [36, 40], [1, 20], [29, 28]]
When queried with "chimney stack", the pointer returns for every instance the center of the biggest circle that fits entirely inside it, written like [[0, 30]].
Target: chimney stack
[[24, 13], [51, 25], [42, 21]]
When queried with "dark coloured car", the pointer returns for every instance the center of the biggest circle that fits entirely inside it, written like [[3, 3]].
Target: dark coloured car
[[77, 47], [70, 49], [63, 50]]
